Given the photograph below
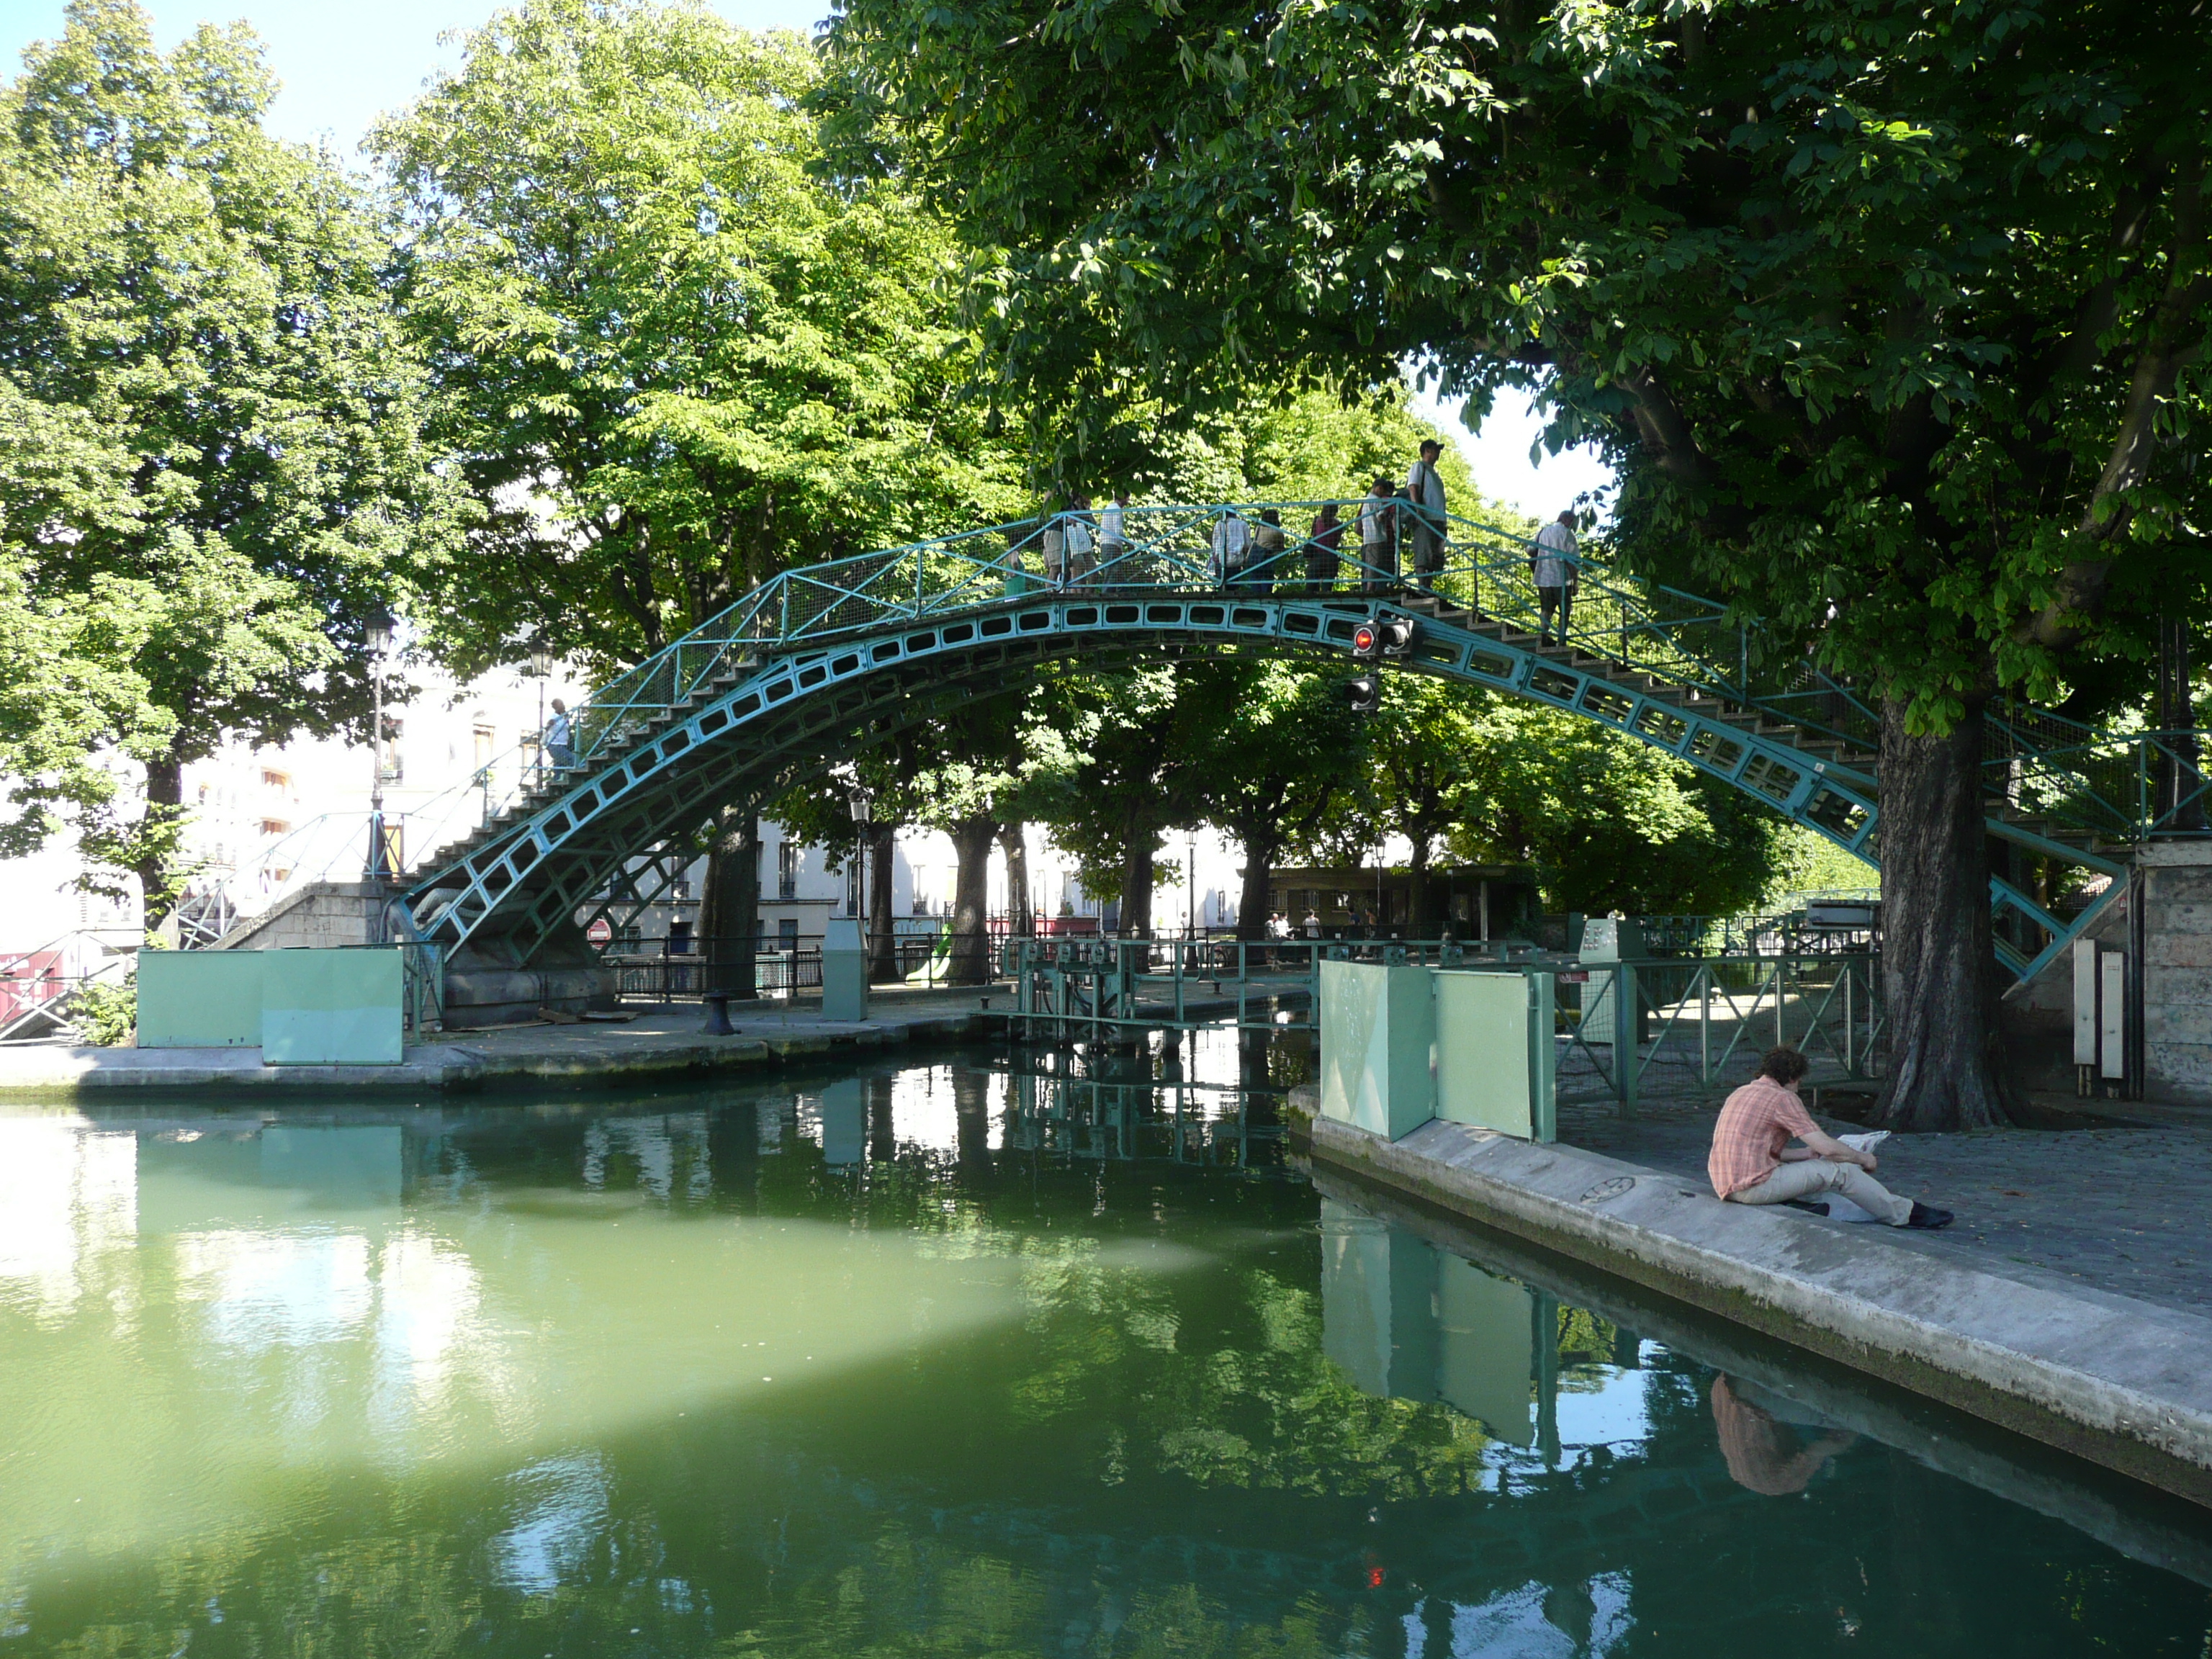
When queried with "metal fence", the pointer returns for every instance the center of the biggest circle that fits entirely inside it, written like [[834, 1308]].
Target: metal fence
[[668, 976]]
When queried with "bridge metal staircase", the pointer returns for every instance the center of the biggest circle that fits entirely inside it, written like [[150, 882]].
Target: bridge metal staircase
[[818, 655]]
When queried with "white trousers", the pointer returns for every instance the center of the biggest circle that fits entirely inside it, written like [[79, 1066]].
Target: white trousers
[[1817, 1175]]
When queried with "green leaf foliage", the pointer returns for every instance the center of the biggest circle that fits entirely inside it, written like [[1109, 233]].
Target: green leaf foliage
[[1892, 318], [678, 357], [211, 464]]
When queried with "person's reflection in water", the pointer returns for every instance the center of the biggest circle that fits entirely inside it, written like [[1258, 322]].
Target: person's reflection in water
[[1762, 1455]]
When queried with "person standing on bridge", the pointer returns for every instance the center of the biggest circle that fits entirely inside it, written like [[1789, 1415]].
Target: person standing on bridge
[[1080, 541], [1324, 549], [1425, 493], [1751, 1161], [1378, 537], [1553, 563], [560, 738], [1232, 547], [1267, 543], [1114, 540]]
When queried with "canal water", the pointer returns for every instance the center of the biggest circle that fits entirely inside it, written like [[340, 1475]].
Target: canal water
[[955, 1355]]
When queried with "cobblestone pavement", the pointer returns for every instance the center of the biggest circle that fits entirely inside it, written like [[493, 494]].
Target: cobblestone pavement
[[2126, 1210]]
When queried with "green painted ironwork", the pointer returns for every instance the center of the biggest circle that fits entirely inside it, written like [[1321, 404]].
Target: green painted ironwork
[[821, 662]]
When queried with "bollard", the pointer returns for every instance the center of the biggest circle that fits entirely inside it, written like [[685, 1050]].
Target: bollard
[[718, 1014]]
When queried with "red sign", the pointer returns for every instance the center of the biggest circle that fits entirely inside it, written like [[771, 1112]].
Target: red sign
[[599, 931]]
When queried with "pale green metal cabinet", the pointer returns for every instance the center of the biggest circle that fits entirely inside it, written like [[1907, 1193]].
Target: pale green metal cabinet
[[199, 999], [1378, 1030], [1495, 1058], [844, 972], [321, 1007]]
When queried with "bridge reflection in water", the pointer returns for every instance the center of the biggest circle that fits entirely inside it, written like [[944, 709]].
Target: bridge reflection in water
[[1210, 1096]]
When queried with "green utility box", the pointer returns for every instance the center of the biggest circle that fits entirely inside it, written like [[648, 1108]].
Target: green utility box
[[331, 1007], [1496, 1059], [199, 999], [844, 972], [1378, 1046], [303, 1008]]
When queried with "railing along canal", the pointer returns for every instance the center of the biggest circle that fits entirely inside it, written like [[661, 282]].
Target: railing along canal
[[1686, 1022]]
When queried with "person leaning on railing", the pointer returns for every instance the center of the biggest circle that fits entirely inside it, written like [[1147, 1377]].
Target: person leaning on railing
[[1324, 549], [1267, 543]]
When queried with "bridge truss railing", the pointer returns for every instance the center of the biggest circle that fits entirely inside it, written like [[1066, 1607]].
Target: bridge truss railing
[[1689, 647], [1696, 643]]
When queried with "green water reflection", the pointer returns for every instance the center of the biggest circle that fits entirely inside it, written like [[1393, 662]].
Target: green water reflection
[[933, 1360]]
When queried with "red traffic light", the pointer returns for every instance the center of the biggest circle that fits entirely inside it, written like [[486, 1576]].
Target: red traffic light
[[1363, 640]]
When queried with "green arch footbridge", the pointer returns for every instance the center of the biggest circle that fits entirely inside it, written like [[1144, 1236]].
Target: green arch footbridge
[[823, 662]]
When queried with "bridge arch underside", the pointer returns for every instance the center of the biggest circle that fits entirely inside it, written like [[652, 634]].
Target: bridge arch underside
[[798, 714]]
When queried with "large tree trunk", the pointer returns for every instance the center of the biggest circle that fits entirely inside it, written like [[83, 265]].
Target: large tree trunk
[[971, 962], [1021, 914], [1137, 878], [1417, 893], [729, 903], [883, 944], [1938, 962], [165, 805], [1261, 844]]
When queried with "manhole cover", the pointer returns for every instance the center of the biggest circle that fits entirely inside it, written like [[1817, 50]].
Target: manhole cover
[[1606, 1189]]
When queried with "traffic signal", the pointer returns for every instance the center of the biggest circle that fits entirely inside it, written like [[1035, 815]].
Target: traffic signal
[[1363, 694], [1383, 637]]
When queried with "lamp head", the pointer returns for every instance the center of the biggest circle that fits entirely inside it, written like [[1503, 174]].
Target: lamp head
[[378, 625]]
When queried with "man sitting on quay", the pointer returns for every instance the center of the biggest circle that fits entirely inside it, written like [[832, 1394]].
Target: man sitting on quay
[[1752, 1161]]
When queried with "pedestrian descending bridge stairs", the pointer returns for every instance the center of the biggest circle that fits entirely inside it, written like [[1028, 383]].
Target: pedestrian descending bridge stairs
[[822, 663]]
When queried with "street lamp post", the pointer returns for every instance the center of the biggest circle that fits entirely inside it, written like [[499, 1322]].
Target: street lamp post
[[861, 804], [378, 625], [541, 665], [1190, 885]]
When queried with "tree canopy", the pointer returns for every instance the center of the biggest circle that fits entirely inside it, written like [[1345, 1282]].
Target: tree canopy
[[213, 468], [1891, 318], [676, 357]]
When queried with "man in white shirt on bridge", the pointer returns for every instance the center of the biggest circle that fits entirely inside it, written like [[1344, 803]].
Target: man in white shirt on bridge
[[1425, 491], [1114, 540], [1077, 527], [1232, 547], [1554, 565]]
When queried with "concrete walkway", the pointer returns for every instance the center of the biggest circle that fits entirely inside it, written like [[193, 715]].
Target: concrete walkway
[[2123, 1205], [2123, 1380], [658, 1043]]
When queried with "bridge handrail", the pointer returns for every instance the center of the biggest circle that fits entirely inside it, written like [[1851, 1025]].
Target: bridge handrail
[[1696, 643], [1648, 624]]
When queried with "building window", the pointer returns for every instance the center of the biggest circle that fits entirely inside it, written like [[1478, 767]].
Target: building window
[[484, 751], [275, 827], [679, 938], [786, 934], [273, 779], [786, 871]]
